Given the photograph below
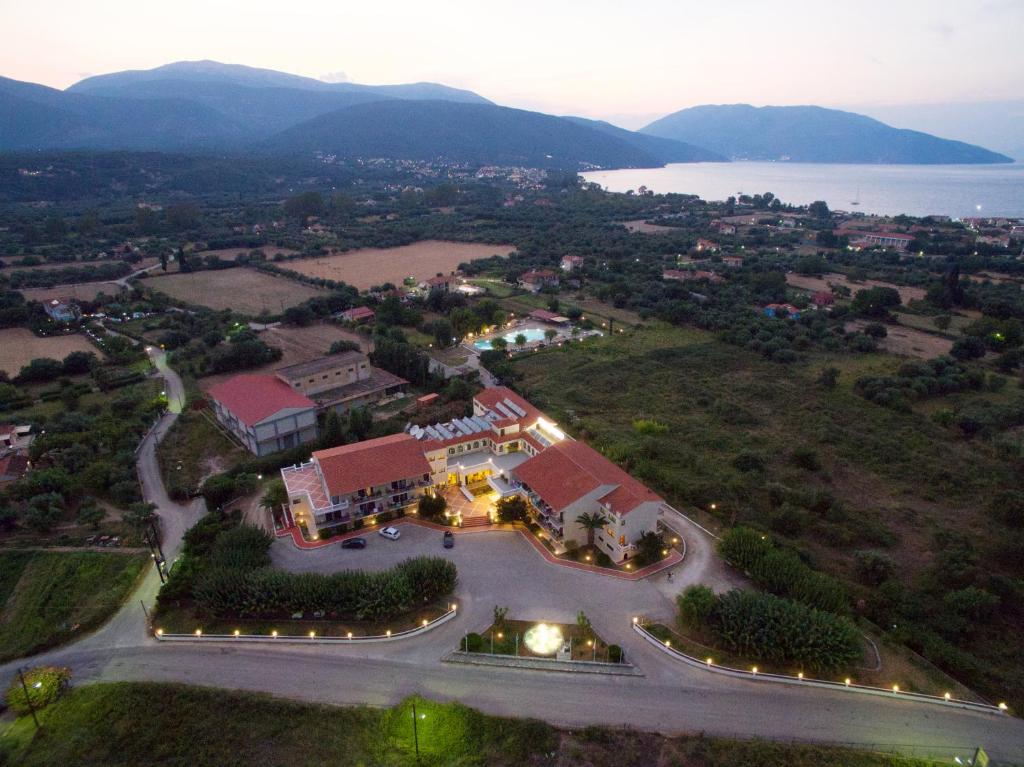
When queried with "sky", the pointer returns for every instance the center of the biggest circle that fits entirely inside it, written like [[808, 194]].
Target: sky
[[628, 62]]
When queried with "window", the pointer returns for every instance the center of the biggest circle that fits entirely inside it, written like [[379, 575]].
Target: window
[[296, 501]]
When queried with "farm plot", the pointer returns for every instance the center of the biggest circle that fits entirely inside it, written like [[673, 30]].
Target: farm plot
[[243, 290], [297, 345], [366, 267], [19, 346], [908, 342], [82, 291], [825, 282]]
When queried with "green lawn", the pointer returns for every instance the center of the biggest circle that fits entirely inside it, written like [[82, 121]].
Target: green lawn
[[52, 597], [161, 724]]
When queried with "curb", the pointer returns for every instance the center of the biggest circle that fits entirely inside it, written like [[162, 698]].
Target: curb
[[820, 683], [542, 664], [160, 636]]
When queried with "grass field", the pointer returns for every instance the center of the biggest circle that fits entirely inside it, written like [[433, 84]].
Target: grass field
[[893, 472], [244, 290], [806, 282], [162, 724], [50, 597], [83, 291], [19, 346], [193, 450], [374, 266]]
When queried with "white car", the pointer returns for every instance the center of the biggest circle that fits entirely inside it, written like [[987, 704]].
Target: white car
[[391, 533]]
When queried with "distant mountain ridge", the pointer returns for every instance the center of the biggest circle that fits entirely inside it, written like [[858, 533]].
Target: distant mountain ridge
[[483, 133], [810, 134], [210, 106]]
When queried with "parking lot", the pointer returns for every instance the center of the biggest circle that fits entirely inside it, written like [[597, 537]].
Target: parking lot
[[499, 568]]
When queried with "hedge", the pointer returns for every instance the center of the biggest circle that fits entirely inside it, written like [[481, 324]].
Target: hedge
[[780, 571]]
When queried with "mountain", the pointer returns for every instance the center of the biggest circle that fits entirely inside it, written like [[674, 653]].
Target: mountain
[[128, 82], [810, 134], [664, 149], [36, 117], [994, 124], [484, 133]]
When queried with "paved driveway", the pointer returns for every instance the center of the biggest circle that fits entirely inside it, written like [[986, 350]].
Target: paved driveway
[[499, 568]]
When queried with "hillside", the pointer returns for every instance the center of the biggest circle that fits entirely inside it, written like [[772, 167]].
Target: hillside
[[461, 133], [666, 150], [810, 134]]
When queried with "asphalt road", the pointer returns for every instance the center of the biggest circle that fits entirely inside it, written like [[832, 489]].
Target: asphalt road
[[500, 568]]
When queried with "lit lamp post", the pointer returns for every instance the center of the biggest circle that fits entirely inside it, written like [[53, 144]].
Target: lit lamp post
[[415, 731]]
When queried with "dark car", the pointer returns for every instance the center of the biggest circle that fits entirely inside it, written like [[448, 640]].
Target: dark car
[[449, 539], [353, 543]]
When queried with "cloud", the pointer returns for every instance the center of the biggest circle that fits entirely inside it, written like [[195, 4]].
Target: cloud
[[335, 77]]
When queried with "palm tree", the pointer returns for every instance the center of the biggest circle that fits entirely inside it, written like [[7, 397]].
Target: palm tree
[[521, 340], [500, 344], [591, 522], [550, 334]]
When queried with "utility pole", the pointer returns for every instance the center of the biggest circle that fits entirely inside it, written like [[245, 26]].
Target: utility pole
[[28, 700], [415, 730]]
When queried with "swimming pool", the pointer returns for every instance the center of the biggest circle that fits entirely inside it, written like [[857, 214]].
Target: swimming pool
[[532, 335]]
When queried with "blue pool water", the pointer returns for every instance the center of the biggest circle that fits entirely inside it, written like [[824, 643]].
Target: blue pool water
[[532, 334]]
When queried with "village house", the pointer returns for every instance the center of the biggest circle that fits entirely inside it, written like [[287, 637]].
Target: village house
[[537, 279], [446, 283], [782, 310], [732, 261], [342, 381], [264, 413], [570, 263], [823, 298], [506, 447], [726, 229], [357, 314], [552, 318], [706, 246], [884, 239]]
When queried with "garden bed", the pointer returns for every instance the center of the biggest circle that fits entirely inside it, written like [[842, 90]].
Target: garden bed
[[507, 638]]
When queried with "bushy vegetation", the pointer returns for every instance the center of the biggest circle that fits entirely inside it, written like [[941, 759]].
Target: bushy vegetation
[[45, 684], [919, 380], [780, 571], [225, 573], [772, 629]]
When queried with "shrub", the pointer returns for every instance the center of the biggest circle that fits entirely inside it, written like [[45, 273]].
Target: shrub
[[512, 509], [805, 458], [748, 462], [614, 653], [431, 506], [472, 642], [603, 559], [873, 568], [244, 546], [695, 604], [782, 631], [45, 685]]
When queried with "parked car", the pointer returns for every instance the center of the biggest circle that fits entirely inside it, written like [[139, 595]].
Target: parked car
[[391, 533], [353, 543], [449, 539]]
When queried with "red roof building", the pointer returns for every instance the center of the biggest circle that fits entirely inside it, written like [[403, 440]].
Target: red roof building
[[535, 279], [357, 314], [264, 413], [371, 463]]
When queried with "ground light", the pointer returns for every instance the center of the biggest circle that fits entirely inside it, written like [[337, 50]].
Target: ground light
[[543, 639]]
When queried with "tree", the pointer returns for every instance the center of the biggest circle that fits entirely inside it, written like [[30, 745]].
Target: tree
[[649, 548], [968, 348], [141, 514], [299, 316], [549, 334], [512, 509], [875, 302], [520, 340], [431, 506], [591, 522], [333, 432], [44, 511], [499, 343], [90, 514], [304, 205], [443, 332], [943, 321], [276, 495], [344, 345], [819, 209], [695, 604]]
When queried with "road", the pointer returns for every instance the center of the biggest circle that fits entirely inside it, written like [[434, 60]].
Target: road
[[670, 697]]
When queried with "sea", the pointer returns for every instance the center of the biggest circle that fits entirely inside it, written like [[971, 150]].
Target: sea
[[957, 191]]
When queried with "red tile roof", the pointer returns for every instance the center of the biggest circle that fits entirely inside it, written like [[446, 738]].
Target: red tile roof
[[374, 462], [358, 313], [254, 398], [13, 466], [568, 470]]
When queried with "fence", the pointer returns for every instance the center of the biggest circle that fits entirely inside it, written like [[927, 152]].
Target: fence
[[310, 638], [753, 674]]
